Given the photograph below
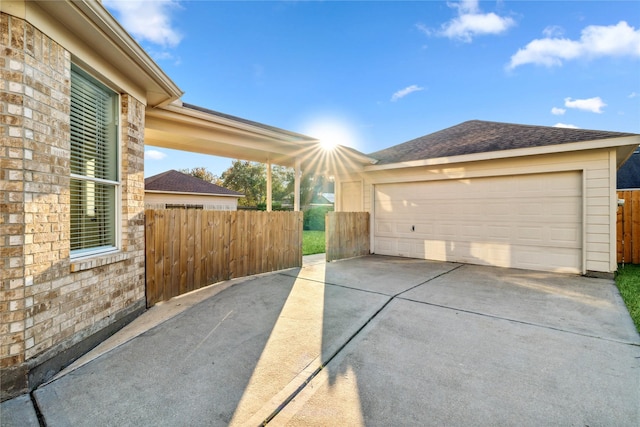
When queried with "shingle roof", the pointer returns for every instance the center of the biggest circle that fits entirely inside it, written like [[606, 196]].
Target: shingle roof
[[178, 182], [629, 173], [477, 136]]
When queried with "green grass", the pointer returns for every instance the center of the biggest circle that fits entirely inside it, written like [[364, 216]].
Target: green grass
[[312, 242], [628, 281]]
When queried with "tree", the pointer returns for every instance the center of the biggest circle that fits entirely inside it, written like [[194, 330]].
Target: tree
[[248, 178], [310, 185], [280, 178], [202, 173]]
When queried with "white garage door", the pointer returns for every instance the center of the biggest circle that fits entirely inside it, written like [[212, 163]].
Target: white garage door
[[523, 221]]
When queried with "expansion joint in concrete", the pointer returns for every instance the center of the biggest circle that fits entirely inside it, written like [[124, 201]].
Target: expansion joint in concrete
[[351, 338]]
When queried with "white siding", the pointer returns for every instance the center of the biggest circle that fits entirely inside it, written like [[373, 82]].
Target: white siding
[[157, 200], [351, 196]]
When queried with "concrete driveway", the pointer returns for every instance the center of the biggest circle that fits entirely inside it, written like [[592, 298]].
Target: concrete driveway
[[373, 341]]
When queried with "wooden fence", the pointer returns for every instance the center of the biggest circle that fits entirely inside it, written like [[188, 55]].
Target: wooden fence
[[346, 234], [628, 230], [187, 249]]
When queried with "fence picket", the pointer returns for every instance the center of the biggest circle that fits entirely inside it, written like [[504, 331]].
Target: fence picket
[[189, 249], [628, 227], [346, 234]]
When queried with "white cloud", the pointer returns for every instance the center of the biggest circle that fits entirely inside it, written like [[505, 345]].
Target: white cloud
[[553, 31], [470, 23], [593, 105], [633, 95], [406, 91], [595, 41], [147, 20], [154, 155], [565, 125], [465, 6], [558, 111], [428, 31]]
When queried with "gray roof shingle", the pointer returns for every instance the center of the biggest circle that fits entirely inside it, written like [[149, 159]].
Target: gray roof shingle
[[178, 182], [629, 173], [478, 136]]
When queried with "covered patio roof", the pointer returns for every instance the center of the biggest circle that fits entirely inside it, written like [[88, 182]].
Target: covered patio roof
[[187, 127]]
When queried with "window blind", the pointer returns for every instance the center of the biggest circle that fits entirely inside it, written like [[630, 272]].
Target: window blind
[[94, 165]]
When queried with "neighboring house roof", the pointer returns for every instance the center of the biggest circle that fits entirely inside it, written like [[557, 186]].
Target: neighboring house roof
[[629, 173], [173, 181], [323, 199], [478, 136], [331, 197]]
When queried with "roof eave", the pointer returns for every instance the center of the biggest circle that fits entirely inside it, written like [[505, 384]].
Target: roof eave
[[187, 193], [624, 147], [191, 114], [88, 19], [178, 127]]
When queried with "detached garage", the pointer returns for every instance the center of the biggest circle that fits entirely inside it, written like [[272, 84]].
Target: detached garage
[[500, 194]]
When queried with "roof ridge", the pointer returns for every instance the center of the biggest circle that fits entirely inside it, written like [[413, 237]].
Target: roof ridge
[[479, 136]]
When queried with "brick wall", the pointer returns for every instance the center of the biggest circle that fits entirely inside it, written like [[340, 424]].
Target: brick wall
[[49, 303]]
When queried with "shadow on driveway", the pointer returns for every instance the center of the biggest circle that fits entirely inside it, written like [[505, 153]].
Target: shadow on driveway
[[371, 341]]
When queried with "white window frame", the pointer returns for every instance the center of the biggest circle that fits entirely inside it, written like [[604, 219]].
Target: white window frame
[[117, 184]]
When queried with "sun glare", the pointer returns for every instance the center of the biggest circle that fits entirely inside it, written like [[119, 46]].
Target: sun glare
[[328, 144], [331, 132]]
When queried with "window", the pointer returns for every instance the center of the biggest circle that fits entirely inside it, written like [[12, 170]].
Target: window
[[94, 165]]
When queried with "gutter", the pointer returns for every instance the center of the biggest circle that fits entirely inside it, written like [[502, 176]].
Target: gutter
[[186, 193], [101, 17], [98, 17]]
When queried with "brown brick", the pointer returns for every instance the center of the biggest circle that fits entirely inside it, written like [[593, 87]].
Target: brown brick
[[17, 34], [4, 29], [56, 305]]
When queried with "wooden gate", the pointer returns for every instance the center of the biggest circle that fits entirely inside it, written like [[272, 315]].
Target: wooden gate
[[187, 249], [628, 230], [346, 235]]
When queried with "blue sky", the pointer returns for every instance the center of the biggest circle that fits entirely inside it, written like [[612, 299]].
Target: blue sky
[[372, 74]]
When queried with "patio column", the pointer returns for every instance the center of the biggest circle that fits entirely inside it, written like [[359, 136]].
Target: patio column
[[269, 187], [337, 194], [296, 190]]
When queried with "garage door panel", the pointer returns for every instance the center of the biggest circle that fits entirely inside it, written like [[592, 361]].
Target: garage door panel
[[386, 245], [472, 232], [384, 227], [568, 236], [515, 221], [498, 232], [570, 207], [560, 260], [528, 235]]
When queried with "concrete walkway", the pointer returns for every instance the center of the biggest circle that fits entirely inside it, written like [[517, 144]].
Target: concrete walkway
[[367, 341]]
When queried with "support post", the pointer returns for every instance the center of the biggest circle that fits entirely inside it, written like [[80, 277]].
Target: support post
[[296, 191], [269, 187]]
